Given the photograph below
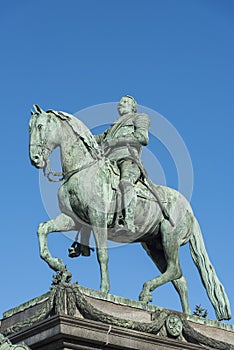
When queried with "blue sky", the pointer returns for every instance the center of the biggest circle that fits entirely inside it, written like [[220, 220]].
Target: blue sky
[[174, 57]]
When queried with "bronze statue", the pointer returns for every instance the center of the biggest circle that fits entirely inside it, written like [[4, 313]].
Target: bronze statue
[[87, 196]]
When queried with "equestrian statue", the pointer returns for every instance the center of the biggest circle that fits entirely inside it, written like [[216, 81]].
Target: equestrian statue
[[105, 189]]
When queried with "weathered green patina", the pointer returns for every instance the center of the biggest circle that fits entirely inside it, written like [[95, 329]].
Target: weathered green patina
[[87, 198], [122, 144], [66, 298], [5, 344]]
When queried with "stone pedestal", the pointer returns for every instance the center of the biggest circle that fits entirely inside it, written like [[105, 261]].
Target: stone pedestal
[[72, 317]]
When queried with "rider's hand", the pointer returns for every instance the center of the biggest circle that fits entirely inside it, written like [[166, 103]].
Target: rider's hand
[[121, 141]]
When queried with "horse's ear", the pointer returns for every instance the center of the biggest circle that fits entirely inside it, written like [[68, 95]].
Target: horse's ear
[[38, 109]]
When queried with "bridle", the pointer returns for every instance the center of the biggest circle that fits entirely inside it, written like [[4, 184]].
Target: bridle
[[45, 150]]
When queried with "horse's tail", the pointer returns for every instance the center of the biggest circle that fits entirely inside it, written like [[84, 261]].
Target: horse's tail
[[214, 288]]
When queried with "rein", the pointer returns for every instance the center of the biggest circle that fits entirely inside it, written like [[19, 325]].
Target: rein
[[70, 173], [52, 172], [66, 176]]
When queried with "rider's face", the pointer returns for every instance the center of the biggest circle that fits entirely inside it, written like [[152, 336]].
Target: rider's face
[[125, 105]]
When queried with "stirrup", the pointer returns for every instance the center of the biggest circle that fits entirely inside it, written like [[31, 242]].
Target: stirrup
[[78, 249]]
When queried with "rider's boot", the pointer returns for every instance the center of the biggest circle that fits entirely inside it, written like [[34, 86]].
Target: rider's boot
[[81, 248], [129, 200]]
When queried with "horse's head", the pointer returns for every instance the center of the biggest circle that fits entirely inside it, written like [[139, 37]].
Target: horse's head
[[43, 128], [49, 129]]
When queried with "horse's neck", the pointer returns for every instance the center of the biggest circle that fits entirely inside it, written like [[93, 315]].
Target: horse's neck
[[74, 153]]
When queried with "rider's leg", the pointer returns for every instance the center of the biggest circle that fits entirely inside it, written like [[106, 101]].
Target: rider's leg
[[85, 233], [129, 175], [77, 249]]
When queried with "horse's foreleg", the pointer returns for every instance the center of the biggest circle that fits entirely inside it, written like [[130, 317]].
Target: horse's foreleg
[[102, 256], [58, 224], [100, 235]]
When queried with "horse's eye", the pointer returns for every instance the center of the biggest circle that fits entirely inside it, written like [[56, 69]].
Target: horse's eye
[[39, 126]]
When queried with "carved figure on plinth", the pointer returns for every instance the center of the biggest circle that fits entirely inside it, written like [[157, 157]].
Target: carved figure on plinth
[[5, 344]]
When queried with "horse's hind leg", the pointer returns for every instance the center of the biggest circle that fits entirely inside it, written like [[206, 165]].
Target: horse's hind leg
[[182, 288], [180, 284], [58, 224], [171, 271]]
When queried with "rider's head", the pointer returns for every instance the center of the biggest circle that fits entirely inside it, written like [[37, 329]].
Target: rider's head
[[127, 104]]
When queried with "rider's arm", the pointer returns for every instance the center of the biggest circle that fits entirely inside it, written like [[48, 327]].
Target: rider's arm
[[138, 137], [142, 124]]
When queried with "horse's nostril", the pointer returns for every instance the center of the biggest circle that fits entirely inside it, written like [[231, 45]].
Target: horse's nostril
[[36, 158]]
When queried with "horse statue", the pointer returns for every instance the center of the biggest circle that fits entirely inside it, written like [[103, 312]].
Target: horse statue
[[87, 196]]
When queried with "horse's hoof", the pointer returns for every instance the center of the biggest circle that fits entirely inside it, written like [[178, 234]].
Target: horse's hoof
[[105, 289], [62, 277], [66, 276], [145, 297]]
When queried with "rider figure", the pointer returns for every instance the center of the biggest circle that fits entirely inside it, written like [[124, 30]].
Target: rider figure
[[122, 143]]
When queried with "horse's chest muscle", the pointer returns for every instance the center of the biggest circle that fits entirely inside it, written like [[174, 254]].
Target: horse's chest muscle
[[70, 200]]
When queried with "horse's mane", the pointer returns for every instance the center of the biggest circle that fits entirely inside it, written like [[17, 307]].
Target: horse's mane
[[80, 129]]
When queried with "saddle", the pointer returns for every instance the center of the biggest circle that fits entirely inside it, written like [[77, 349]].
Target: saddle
[[143, 189], [142, 186]]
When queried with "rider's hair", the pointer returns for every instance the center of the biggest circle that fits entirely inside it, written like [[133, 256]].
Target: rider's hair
[[134, 101]]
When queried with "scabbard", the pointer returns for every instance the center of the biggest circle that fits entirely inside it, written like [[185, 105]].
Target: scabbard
[[150, 185]]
